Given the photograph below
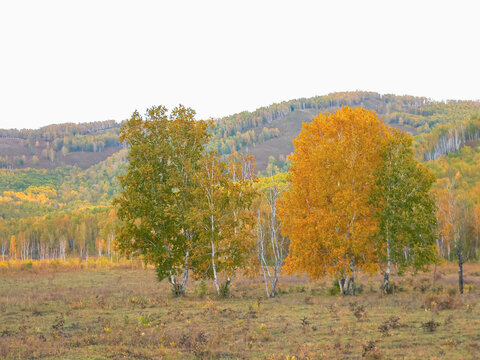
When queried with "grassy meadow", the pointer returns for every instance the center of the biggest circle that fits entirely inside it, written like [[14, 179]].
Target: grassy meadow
[[98, 311]]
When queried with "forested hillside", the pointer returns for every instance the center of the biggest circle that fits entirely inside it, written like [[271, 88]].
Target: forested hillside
[[57, 182]]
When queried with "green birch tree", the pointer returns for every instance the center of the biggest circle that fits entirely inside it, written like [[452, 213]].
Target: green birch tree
[[406, 214], [157, 196]]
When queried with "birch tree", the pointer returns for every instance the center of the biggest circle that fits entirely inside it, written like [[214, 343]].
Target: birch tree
[[224, 220], [476, 227], [276, 244], [326, 213], [450, 220], [406, 211], [165, 153]]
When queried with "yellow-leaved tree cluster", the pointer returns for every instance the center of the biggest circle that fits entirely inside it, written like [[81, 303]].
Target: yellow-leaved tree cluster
[[357, 200]]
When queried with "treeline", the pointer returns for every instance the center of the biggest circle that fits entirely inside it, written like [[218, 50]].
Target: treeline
[[417, 115], [80, 233], [232, 133], [457, 193], [230, 144], [28, 193], [30, 147], [89, 143], [57, 213], [450, 137], [51, 132]]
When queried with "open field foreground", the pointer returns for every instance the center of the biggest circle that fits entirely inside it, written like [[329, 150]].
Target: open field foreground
[[123, 313]]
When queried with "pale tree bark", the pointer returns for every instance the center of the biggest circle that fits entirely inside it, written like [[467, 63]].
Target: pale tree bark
[[185, 274], [62, 249], [453, 224], [4, 250], [214, 269], [386, 288], [261, 254], [179, 289], [347, 282], [276, 244]]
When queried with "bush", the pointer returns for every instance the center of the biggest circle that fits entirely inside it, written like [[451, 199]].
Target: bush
[[439, 302], [27, 265], [225, 289], [201, 290], [430, 326], [334, 289]]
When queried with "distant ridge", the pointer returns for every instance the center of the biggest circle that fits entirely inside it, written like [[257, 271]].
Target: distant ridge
[[265, 132]]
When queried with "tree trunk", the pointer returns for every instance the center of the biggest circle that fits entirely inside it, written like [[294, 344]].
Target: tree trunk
[[460, 269], [386, 287], [274, 282], [261, 254], [215, 279], [350, 286], [179, 289], [347, 283], [185, 274], [476, 247]]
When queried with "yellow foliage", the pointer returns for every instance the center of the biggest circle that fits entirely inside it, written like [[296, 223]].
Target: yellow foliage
[[327, 212]]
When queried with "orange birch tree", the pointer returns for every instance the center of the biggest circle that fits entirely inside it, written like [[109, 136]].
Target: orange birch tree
[[326, 212]]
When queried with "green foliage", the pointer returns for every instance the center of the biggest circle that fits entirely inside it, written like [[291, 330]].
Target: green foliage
[[334, 289], [158, 188], [201, 290], [225, 289], [406, 211]]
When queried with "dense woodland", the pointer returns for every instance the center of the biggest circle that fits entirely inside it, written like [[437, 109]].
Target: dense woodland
[[59, 210]]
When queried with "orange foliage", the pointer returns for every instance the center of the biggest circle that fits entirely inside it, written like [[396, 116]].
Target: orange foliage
[[326, 212]]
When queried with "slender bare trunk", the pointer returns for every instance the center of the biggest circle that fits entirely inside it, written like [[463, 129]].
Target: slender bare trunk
[[215, 279], [261, 252], [460, 268], [179, 289], [185, 274], [386, 287], [347, 283], [476, 247]]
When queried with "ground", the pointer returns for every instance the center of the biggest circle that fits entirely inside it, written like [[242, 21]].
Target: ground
[[123, 312]]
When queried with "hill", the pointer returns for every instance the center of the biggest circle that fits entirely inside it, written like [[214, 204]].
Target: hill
[[57, 182], [265, 132]]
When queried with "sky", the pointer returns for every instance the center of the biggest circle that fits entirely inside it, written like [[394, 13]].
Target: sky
[[80, 61]]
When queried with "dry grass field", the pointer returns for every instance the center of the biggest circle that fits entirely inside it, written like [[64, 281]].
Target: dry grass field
[[95, 312]]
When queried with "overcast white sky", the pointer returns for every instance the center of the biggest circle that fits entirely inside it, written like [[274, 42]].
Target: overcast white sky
[[77, 61]]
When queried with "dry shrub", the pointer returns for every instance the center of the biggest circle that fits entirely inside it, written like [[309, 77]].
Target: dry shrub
[[358, 311], [430, 326], [442, 302], [392, 323], [196, 344], [371, 351], [423, 285]]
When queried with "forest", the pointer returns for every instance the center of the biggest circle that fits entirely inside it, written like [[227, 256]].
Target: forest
[[35, 200]]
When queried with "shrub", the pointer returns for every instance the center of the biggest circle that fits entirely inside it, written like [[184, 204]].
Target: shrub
[[334, 289], [371, 351], [27, 265], [430, 326], [225, 289], [439, 302], [201, 290]]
